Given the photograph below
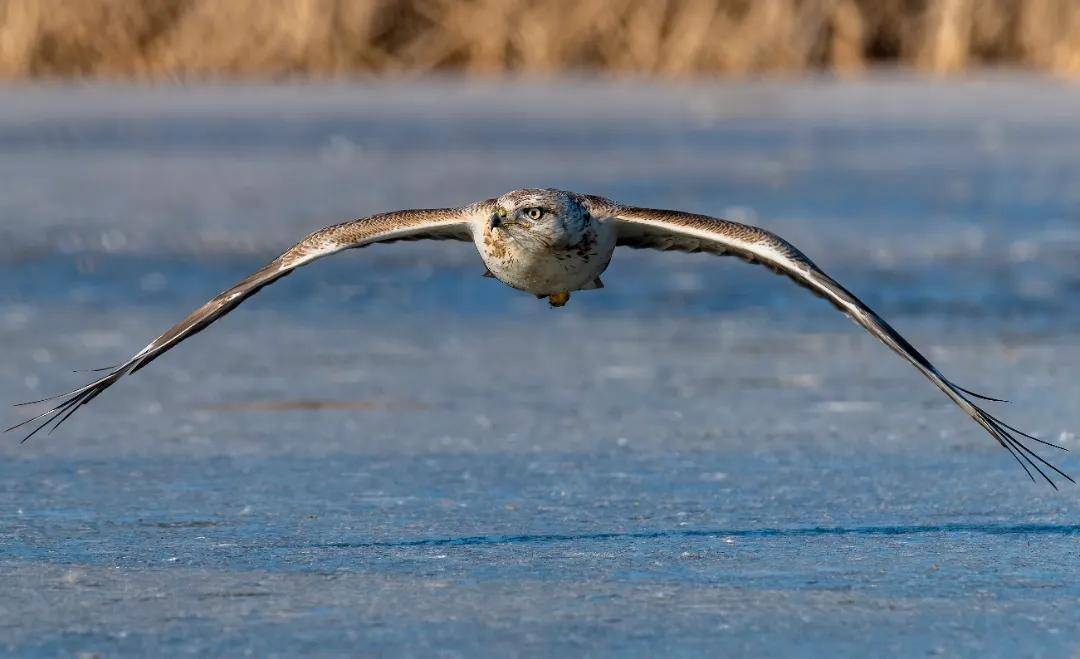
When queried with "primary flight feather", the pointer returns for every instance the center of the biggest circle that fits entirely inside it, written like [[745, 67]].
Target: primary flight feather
[[551, 243]]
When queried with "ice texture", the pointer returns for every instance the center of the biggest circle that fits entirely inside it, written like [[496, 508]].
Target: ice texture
[[388, 454]]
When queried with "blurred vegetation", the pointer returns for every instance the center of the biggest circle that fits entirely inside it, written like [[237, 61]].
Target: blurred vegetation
[[240, 38]]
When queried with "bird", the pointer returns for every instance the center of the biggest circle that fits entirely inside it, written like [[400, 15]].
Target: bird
[[552, 243]]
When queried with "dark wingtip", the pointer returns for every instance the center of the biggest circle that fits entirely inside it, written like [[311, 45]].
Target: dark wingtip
[[61, 412], [976, 395], [1002, 433], [1024, 434], [97, 370], [30, 420], [47, 399], [71, 402], [34, 402], [1008, 440]]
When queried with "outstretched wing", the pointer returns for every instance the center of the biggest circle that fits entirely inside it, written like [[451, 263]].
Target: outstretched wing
[[674, 230], [433, 224]]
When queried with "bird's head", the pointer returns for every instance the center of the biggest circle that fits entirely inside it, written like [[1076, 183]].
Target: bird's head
[[539, 213]]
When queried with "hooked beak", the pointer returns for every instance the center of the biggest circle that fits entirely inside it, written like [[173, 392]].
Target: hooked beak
[[498, 219]]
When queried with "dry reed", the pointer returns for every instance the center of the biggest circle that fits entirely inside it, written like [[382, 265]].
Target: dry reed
[[235, 38]]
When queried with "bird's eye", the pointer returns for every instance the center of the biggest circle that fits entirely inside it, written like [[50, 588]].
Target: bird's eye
[[535, 213]]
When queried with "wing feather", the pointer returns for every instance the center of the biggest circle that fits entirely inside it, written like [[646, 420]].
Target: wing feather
[[431, 224], [674, 230]]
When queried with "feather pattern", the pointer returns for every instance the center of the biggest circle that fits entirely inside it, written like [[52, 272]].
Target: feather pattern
[[432, 224], [646, 228], [551, 242]]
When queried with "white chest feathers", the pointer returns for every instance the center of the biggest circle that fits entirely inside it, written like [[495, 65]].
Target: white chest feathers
[[542, 266]]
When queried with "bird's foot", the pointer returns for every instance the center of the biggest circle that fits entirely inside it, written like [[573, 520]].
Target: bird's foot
[[559, 299]]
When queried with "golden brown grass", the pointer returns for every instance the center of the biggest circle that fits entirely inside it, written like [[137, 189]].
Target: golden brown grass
[[231, 38]]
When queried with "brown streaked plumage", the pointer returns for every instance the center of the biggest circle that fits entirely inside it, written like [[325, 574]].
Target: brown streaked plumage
[[550, 243], [433, 224]]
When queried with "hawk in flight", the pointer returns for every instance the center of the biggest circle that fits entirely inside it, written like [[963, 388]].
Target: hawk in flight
[[551, 243]]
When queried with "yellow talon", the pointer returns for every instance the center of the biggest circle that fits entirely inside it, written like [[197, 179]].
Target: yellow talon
[[559, 299]]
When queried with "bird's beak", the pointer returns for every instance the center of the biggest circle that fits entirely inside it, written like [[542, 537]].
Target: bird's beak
[[499, 218]]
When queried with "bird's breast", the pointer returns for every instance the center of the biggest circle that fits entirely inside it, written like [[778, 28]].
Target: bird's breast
[[544, 267]]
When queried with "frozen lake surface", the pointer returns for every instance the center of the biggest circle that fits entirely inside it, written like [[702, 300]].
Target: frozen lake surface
[[387, 453]]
